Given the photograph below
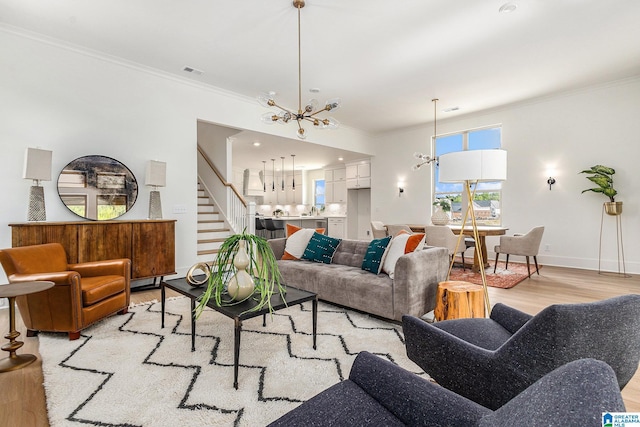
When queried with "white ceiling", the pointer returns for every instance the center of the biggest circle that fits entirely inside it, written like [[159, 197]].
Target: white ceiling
[[386, 59]]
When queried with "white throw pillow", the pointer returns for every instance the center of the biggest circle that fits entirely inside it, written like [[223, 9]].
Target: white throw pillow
[[401, 244], [297, 243]]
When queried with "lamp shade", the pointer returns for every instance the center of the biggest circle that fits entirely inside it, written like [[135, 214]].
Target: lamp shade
[[37, 164], [473, 165], [156, 174]]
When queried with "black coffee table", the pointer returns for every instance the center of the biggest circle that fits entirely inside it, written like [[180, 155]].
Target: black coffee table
[[239, 312]]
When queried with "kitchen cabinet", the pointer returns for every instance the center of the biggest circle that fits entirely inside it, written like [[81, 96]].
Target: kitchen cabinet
[[337, 227], [335, 185], [149, 244], [335, 192], [358, 175]]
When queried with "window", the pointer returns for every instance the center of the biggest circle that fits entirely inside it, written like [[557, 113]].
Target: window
[[488, 196], [318, 193]]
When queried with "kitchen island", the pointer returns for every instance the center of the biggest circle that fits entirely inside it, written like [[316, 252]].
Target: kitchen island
[[301, 221]]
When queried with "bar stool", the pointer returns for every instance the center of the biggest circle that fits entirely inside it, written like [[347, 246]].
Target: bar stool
[[260, 228], [271, 226]]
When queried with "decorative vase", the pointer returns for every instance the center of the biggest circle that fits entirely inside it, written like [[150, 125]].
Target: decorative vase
[[241, 285], [440, 217], [613, 208]]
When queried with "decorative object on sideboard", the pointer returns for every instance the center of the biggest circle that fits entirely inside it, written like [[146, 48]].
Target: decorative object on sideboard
[[97, 187], [156, 176], [426, 159], [197, 280], [441, 214], [37, 166], [471, 167], [261, 266], [306, 113]]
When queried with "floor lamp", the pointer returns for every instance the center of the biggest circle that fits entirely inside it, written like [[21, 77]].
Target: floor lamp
[[37, 166], [471, 167]]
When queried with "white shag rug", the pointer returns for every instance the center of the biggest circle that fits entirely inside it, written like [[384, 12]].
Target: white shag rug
[[127, 371]]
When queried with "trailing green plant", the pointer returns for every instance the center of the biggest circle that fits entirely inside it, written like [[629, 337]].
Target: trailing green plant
[[263, 267], [445, 204], [602, 177]]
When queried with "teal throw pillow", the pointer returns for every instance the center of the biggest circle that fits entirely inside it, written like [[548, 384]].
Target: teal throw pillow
[[321, 248], [372, 261]]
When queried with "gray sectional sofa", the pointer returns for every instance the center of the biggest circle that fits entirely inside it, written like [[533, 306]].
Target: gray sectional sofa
[[412, 291]]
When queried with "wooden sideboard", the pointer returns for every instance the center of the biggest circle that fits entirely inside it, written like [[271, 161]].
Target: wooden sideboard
[[149, 244]]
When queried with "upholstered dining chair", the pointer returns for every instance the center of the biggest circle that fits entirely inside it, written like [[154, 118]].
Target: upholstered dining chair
[[393, 229], [520, 244], [491, 360], [442, 237], [380, 393], [83, 293], [378, 230]]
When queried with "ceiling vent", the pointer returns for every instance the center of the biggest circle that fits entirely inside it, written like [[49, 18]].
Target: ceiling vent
[[192, 70]]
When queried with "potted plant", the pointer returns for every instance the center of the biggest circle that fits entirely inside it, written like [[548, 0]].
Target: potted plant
[[441, 214], [249, 254], [278, 213], [602, 176]]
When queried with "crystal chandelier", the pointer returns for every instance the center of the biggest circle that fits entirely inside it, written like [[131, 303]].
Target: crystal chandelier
[[423, 158], [309, 111]]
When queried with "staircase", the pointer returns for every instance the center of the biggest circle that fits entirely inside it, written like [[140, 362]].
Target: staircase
[[212, 230]]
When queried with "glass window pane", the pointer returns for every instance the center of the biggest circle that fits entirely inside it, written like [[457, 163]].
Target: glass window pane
[[484, 139], [444, 145]]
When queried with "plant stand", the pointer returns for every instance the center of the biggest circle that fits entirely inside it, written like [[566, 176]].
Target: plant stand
[[619, 246]]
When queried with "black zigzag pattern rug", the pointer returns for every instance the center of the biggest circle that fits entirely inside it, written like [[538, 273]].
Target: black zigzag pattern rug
[[127, 371]]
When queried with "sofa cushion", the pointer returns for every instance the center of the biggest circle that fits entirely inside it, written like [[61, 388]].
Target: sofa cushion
[[402, 243], [321, 248], [375, 255], [351, 252], [297, 242]]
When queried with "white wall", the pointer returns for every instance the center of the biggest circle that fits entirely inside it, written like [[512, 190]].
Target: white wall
[[77, 103], [569, 132]]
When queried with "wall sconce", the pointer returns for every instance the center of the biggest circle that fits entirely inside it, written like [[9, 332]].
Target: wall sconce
[[156, 176], [551, 181], [37, 166], [400, 189]]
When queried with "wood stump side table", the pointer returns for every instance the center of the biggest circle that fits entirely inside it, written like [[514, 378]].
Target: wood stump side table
[[16, 361], [457, 300]]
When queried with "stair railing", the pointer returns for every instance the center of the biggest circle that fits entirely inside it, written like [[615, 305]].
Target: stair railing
[[236, 212]]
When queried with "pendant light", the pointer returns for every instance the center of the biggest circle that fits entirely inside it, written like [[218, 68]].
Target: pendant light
[[293, 172], [264, 176], [273, 174], [282, 172], [424, 159]]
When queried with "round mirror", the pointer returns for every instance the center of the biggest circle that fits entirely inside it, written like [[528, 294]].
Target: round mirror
[[97, 187]]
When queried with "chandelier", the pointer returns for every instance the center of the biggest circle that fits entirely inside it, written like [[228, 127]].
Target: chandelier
[[306, 113], [423, 158]]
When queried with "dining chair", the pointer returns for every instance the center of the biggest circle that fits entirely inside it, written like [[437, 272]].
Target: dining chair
[[378, 230], [520, 244], [441, 236]]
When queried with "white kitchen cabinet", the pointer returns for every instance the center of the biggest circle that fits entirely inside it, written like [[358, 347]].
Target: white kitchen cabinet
[[335, 192], [358, 175], [335, 185], [337, 227]]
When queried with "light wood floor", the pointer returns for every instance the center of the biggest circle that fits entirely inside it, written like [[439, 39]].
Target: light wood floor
[[22, 400]]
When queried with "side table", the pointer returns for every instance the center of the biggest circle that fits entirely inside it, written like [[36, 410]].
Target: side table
[[16, 361], [457, 300]]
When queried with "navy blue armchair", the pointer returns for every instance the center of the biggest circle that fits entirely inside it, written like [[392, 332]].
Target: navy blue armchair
[[490, 361], [379, 393]]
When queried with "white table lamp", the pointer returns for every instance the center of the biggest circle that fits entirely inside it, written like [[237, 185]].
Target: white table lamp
[[156, 176], [37, 166]]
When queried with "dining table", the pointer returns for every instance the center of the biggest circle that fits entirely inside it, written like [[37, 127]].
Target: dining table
[[483, 232]]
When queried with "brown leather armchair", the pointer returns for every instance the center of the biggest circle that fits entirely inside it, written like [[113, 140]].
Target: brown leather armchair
[[83, 293]]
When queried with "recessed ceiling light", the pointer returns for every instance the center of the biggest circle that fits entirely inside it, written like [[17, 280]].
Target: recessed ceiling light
[[340, 159], [508, 8], [450, 109], [256, 144], [314, 90]]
